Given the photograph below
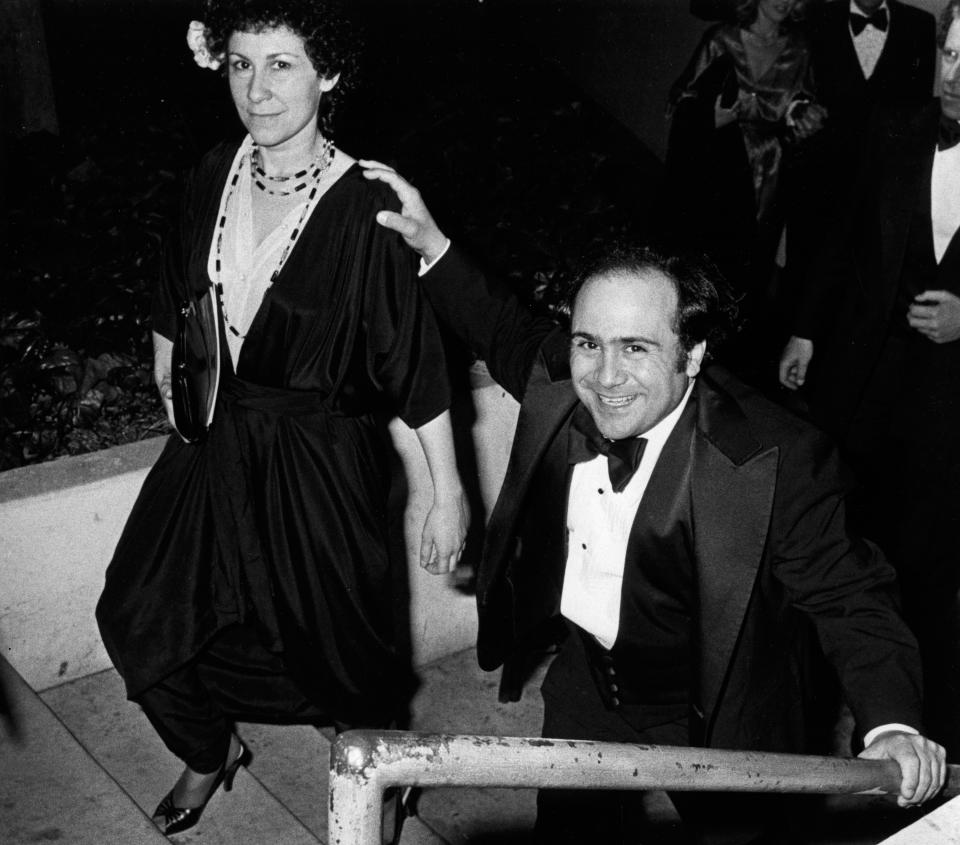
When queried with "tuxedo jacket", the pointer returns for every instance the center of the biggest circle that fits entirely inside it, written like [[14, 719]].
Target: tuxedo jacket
[[904, 71], [903, 75], [849, 302], [772, 559]]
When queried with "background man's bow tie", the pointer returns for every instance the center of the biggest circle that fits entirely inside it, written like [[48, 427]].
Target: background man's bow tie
[[879, 19], [948, 134], [586, 442]]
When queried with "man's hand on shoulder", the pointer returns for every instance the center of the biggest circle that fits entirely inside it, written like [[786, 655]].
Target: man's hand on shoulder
[[414, 221], [923, 764], [936, 315], [794, 361]]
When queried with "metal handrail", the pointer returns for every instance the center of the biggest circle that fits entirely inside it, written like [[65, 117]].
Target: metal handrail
[[365, 763]]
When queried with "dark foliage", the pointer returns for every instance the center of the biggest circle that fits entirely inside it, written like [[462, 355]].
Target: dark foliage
[[86, 218], [514, 160]]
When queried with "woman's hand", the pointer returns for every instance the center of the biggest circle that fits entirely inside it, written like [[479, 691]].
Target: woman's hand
[[162, 364], [809, 120], [795, 361], [414, 221], [446, 525], [444, 532], [725, 116]]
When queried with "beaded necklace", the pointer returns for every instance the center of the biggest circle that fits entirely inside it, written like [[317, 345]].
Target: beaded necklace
[[326, 157], [319, 165]]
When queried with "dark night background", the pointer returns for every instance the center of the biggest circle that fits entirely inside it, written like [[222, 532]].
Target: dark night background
[[483, 105]]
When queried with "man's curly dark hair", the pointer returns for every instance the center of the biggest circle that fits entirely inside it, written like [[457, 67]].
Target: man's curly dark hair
[[706, 308], [330, 41]]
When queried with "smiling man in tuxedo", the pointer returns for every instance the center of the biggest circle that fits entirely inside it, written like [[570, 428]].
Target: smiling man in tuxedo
[[689, 533]]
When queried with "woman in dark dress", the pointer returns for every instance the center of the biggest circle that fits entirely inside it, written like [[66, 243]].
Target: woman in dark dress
[[741, 109], [252, 581]]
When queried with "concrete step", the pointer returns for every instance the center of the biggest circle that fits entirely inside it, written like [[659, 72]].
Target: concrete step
[[283, 794], [282, 797], [51, 789], [939, 827], [119, 737]]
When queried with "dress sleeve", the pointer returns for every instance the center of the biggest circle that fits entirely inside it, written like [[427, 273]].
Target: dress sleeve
[[171, 279], [690, 84], [405, 355]]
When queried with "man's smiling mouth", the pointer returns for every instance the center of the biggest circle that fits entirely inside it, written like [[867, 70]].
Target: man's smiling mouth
[[616, 401]]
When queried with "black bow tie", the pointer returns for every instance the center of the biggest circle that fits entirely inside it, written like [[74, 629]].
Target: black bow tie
[[586, 442], [858, 23], [948, 134]]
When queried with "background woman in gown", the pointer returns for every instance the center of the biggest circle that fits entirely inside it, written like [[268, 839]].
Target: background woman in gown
[[741, 109], [252, 581]]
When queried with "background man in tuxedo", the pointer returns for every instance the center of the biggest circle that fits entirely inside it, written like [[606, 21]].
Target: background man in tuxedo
[[864, 54], [881, 309], [869, 52], [690, 585]]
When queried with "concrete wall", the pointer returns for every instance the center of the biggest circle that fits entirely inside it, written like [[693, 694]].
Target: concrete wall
[[59, 523]]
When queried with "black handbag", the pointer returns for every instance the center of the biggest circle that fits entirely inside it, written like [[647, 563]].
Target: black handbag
[[195, 372]]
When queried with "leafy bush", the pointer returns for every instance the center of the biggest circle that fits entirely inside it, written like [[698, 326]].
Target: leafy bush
[[518, 165], [75, 348]]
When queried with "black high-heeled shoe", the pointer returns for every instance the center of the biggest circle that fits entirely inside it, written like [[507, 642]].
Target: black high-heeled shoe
[[172, 819], [405, 805]]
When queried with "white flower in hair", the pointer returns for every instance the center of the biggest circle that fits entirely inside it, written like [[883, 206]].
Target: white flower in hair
[[197, 42]]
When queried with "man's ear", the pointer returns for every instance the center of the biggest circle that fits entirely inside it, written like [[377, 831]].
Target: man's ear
[[328, 83], [695, 358]]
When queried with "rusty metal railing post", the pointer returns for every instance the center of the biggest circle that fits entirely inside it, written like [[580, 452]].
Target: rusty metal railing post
[[365, 763], [355, 803]]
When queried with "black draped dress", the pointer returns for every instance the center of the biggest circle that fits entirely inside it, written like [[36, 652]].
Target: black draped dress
[[278, 519]]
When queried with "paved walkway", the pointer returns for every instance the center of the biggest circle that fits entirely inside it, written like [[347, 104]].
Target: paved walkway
[[88, 769]]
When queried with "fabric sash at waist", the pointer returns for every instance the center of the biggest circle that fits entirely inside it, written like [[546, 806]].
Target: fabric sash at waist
[[239, 455], [282, 401]]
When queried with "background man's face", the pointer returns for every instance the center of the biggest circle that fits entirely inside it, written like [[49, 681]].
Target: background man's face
[[625, 358], [950, 73]]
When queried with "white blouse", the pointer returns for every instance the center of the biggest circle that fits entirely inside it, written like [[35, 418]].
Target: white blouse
[[245, 269]]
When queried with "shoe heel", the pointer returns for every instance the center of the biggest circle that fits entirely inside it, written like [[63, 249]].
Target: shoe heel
[[243, 759]]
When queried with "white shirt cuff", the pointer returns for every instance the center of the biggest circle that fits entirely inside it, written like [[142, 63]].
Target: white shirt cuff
[[882, 729], [424, 266]]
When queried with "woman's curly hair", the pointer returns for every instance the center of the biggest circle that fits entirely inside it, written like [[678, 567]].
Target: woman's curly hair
[[329, 39], [747, 10]]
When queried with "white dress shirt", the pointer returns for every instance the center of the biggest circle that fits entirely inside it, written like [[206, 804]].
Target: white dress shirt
[[869, 43], [945, 198], [598, 529]]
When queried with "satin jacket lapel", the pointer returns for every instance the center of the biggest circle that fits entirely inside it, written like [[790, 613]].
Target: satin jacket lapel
[[206, 219], [547, 403], [906, 180], [894, 47], [948, 271], [733, 485]]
